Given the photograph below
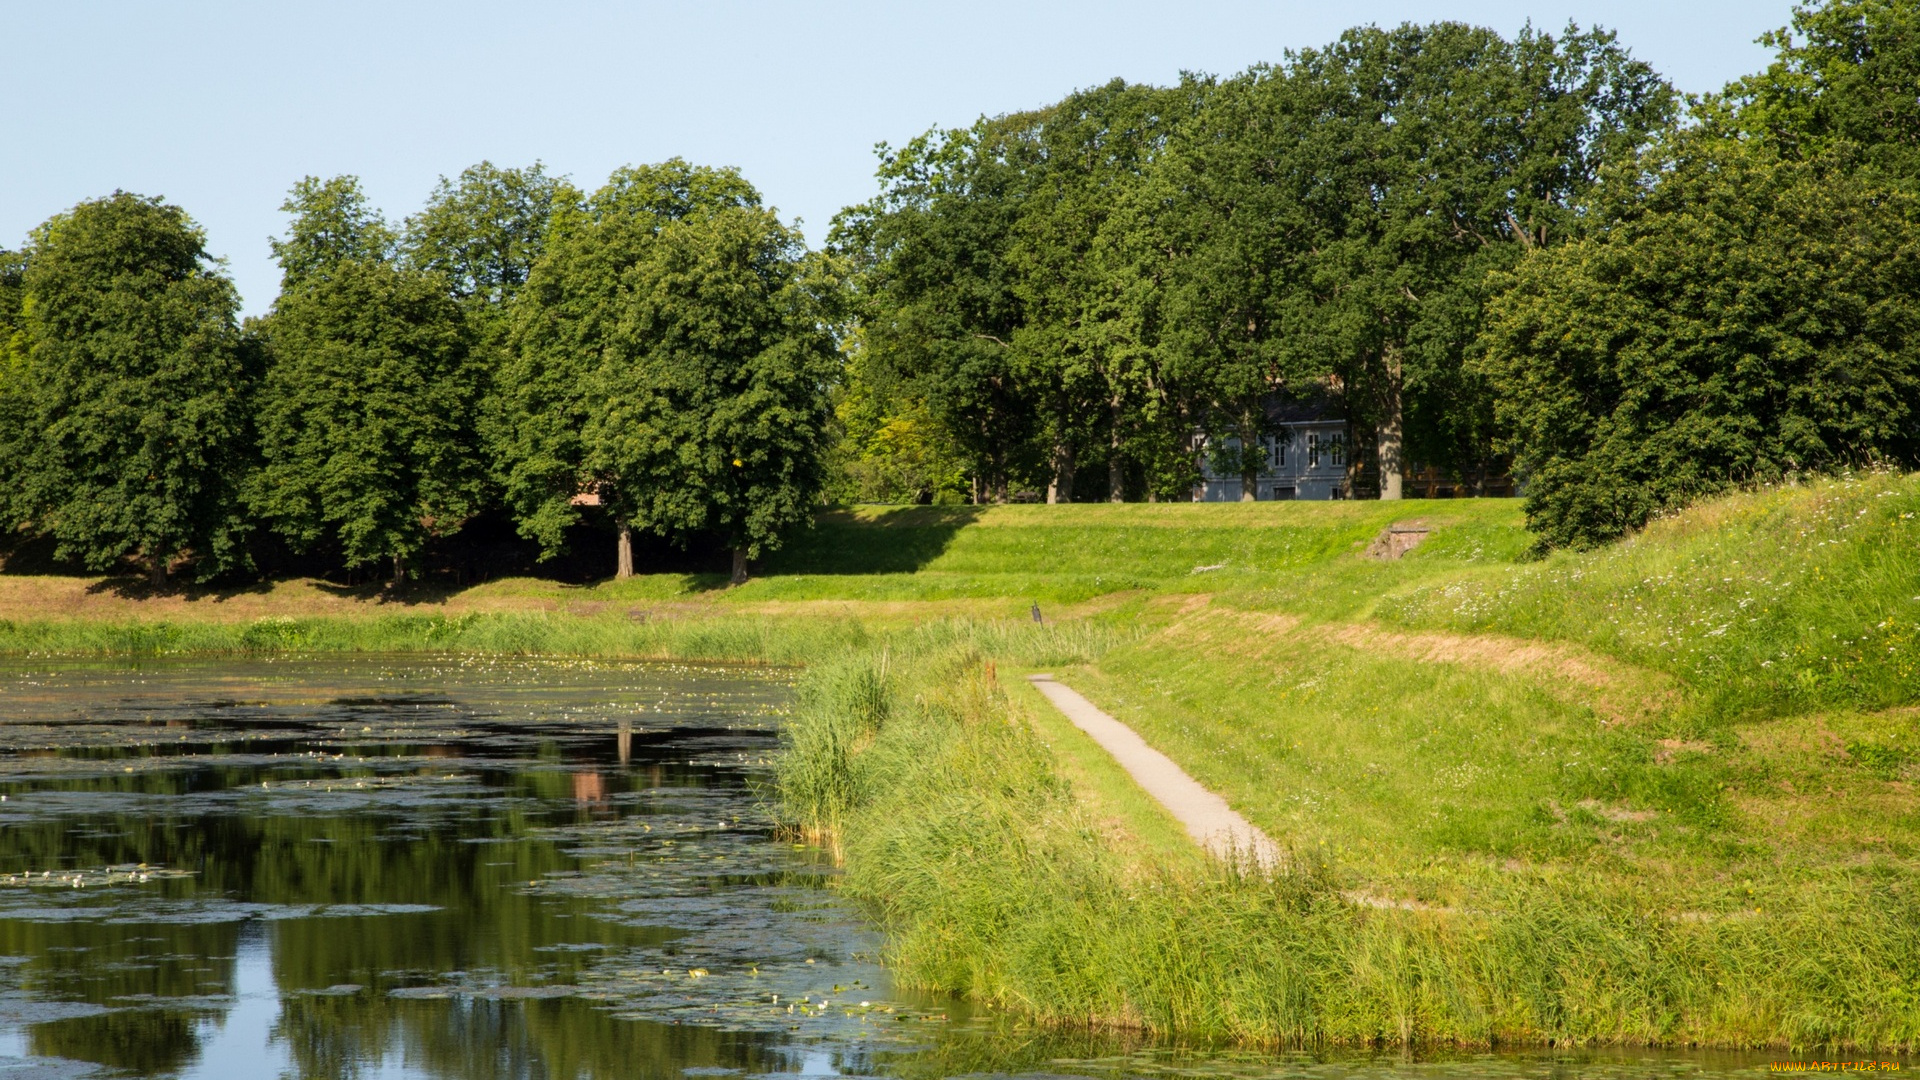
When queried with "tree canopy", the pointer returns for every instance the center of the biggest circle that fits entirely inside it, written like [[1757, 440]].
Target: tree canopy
[[485, 231], [125, 389], [1740, 304], [367, 412], [668, 360], [1101, 277], [708, 412], [1842, 80], [333, 223], [1748, 318]]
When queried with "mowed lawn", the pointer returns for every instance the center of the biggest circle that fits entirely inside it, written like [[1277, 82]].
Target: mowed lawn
[[1072, 553]]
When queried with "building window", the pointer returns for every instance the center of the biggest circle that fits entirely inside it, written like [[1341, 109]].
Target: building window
[[1313, 449], [1337, 449], [1277, 452]]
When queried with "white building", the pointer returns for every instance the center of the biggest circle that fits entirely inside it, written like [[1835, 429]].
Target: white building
[[1305, 459]]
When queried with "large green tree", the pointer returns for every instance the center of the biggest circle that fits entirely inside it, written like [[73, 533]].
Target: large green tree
[[936, 297], [484, 231], [1217, 241], [1742, 318], [709, 411], [1843, 81], [333, 223], [1741, 304], [15, 410], [125, 387], [1077, 351], [367, 411], [989, 303], [668, 317], [1434, 156]]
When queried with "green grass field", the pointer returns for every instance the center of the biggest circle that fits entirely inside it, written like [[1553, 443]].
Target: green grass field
[[1658, 793]]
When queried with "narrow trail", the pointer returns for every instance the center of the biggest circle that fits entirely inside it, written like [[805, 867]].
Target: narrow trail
[[1213, 824]]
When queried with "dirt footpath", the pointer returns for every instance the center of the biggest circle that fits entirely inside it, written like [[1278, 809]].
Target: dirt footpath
[[1213, 824]]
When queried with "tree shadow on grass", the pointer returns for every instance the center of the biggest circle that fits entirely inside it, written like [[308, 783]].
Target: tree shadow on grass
[[129, 587], [899, 540], [893, 540]]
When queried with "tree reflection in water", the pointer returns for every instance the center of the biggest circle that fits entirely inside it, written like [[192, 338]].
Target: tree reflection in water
[[415, 863]]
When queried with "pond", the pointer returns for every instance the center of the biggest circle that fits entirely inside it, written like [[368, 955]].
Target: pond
[[406, 867]]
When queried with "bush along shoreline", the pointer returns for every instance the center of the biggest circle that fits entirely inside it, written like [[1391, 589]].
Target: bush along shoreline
[[959, 832]]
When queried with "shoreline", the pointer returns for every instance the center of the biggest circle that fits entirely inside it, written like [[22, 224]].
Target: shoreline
[[1654, 795]]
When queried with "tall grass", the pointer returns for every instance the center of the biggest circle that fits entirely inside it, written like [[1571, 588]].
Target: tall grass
[[992, 881], [1792, 598], [710, 636]]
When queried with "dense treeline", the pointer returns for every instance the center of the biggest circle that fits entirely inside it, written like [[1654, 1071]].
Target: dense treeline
[[1483, 253], [657, 353]]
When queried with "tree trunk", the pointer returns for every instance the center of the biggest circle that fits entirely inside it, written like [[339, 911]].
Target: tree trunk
[[1116, 467], [1390, 443], [399, 571], [157, 571], [623, 564], [1060, 489], [739, 567], [1250, 462]]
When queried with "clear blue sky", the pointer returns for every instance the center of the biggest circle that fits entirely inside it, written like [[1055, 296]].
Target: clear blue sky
[[220, 107]]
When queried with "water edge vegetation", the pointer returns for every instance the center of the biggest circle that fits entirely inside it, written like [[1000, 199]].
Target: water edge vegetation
[[1658, 793]]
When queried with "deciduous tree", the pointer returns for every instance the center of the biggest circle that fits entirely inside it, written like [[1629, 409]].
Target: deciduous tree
[[15, 406], [367, 411], [1741, 318], [936, 297], [1437, 155], [1077, 350], [667, 333], [710, 412], [1842, 82], [333, 223], [484, 231], [126, 386]]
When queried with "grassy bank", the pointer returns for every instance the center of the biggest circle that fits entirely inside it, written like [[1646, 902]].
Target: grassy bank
[[1570, 801], [1780, 601], [996, 879], [514, 633], [1660, 793]]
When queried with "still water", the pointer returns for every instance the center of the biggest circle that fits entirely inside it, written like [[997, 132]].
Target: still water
[[404, 868]]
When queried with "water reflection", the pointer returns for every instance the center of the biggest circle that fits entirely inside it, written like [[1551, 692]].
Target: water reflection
[[413, 868], [470, 879]]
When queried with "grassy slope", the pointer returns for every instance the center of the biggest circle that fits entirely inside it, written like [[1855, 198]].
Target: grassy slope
[[1571, 799], [1600, 796]]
